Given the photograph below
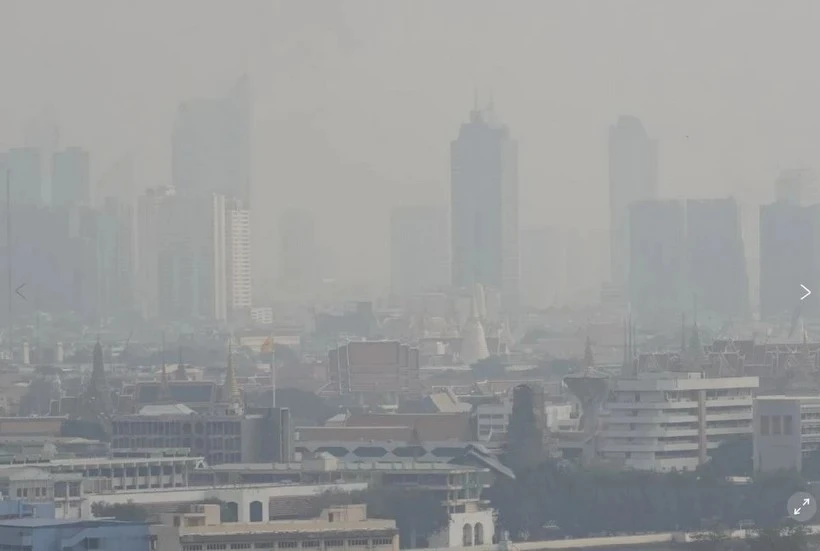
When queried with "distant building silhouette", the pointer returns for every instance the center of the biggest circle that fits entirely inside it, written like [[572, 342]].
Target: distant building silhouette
[[633, 176], [797, 187], [657, 274], [297, 252], [211, 145], [25, 176], [419, 255], [717, 260], [238, 256], [70, 177], [484, 207]]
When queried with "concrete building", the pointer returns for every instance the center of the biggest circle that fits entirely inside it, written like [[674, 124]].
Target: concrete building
[[25, 172], [212, 145], [297, 252], [419, 254], [192, 263], [633, 177], [345, 528], [716, 257], [484, 207], [147, 249], [657, 259], [62, 491], [240, 291], [374, 368], [37, 534], [789, 257], [786, 428], [671, 421], [70, 177]]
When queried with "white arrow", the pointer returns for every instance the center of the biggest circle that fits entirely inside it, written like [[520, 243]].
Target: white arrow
[[806, 502], [797, 511], [808, 291]]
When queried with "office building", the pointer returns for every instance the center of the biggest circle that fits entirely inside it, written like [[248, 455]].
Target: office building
[[22, 171], [419, 256], [70, 177], [238, 222], [147, 247], [797, 187], [211, 145], [192, 262], [673, 421], [633, 176], [115, 237], [789, 257], [716, 257], [657, 274], [786, 429], [297, 252], [484, 207]]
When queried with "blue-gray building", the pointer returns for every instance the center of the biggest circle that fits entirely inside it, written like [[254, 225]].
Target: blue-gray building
[[38, 534], [16, 509]]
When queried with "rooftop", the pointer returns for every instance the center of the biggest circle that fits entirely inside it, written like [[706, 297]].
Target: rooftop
[[289, 527], [404, 466]]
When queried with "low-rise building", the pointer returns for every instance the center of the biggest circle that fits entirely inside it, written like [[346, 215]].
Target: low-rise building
[[39, 534], [786, 428], [671, 421]]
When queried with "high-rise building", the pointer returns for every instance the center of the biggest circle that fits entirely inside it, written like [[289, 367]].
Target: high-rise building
[[484, 207], [543, 266], [717, 259], [23, 167], [147, 249], [70, 177], [633, 176], [297, 251], [211, 145], [115, 245], [657, 273], [797, 187], [240, 295], [419, 258], [789, 257], [192, 262]]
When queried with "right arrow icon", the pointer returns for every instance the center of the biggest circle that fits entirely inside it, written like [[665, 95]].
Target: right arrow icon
[[808, 291]]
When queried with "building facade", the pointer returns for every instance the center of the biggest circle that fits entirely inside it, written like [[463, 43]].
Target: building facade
[[672, 421], [36, 534], [633, 176], [70, 177], [374, 367], [484, 207], [786, 429]]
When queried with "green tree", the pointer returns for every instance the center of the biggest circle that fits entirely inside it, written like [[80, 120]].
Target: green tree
[[787, 538], [120, 511]]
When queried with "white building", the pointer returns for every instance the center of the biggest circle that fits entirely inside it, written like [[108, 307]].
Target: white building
[[671, 421], [240, 293], [785, 428]]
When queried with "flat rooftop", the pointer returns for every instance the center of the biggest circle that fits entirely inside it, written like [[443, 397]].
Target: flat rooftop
[[312, 526], [313, 466]]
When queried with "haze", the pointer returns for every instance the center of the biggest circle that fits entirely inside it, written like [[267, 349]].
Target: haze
[[355, 103]]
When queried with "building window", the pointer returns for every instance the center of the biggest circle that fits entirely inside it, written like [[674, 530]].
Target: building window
[[334, 543], [382, 541], [287, 544], [775, 424], [764, 425], [787, 425], [311, 544], [357, 543]]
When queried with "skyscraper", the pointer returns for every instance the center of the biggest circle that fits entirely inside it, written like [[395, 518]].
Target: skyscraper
[[484, 207], [419, 259], [211, 145], [147, 249], [789, 257], [297, 251], [25, 176], [717, 259], [657, 272], [633, 176], [192, 262], [70, 177], [115, 248], [240, 295]]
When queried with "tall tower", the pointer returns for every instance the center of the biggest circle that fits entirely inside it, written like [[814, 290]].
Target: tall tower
[[238, 222], [211, 145], [484, 207], [633, 176]]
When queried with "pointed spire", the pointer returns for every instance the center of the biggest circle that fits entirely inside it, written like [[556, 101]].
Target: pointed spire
[[164, 391], [589, 360], [97, 367], [682, 334]]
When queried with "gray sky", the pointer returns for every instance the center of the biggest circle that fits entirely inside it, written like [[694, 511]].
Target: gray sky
[[356, 102]]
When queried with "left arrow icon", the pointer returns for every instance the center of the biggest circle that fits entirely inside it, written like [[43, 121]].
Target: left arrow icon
[[808, 291]]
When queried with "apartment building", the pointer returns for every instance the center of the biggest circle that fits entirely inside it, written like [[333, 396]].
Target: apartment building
[[672, 421]]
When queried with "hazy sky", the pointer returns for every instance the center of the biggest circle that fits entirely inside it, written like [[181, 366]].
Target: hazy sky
[[356, 101]]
